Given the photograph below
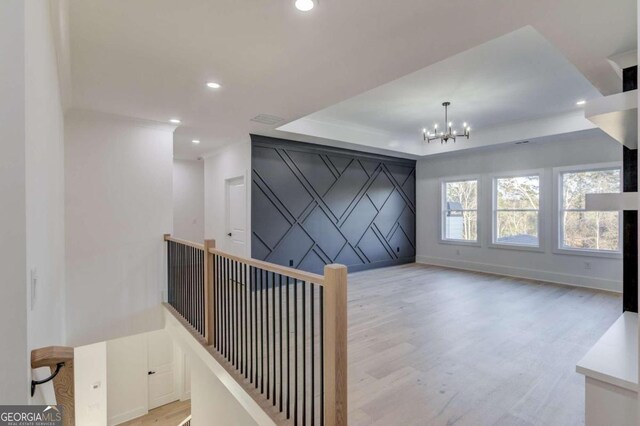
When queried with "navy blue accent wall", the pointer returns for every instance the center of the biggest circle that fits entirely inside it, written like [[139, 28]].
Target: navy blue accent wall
[[313, 205]]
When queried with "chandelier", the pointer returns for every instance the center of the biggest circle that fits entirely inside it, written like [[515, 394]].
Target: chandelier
[[448, 133]]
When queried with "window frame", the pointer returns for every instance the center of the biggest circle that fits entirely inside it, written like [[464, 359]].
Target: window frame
[[558, 173], [494, 210], [443, 200]]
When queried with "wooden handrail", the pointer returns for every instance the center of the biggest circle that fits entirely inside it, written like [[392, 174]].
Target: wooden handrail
[[168, 237], [63, 385], [272, 267]]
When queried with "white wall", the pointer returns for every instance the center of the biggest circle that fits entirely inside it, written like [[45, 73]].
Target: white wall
[[90, 384], [44, 136], [127, 393], [188, 200], [13, 301], [118, 199], [228, 162], [211, 402], [576, 149], [31, 188]]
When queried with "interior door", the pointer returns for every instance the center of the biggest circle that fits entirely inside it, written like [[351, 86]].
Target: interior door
[[161, 374], [236, 216]]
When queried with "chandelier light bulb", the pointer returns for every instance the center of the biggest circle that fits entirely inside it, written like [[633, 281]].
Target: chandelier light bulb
[[435, 126], [450, 123]]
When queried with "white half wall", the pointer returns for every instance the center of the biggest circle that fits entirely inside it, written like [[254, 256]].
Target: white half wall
[[44, 136], [579, 148], [216, 397], [118, 183], [188, 200], [228, 162]]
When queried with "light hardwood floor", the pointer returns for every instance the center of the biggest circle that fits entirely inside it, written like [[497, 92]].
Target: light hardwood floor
[[436, 346], [167, 415]]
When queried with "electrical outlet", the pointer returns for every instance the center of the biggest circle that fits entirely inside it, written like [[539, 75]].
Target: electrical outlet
[[587, 265]]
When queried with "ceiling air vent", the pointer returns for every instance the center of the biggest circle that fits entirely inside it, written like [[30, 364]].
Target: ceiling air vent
[[267, 119]]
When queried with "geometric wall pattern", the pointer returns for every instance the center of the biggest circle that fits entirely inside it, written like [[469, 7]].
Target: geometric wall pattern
[[314, 205]]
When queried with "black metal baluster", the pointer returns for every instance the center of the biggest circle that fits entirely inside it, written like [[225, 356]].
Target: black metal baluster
[[234, 289], [181, 278], [227, 324], [223, 301], [288, 355], [313, 353], [237, 300], [191, 292], [255, 326], [267, 336], [281, 336], [304, 353], [218, 316], [321, 355], [273, 299], [245, 329], [250, 311], [263, 327], [295, 345]]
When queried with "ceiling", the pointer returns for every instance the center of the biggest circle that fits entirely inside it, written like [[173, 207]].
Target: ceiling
[[150, 59], [510, 80]]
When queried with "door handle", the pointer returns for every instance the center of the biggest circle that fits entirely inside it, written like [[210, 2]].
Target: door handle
[[229, 234], [151, 372]]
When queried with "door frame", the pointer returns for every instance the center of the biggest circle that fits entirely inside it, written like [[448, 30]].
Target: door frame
[[247, 216]]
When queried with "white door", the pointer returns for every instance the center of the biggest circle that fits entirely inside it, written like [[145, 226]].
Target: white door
[[161, 374], [236, 216]]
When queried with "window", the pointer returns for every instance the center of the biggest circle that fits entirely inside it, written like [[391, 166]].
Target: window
[[516, 205], [460, 210], [588, 230]]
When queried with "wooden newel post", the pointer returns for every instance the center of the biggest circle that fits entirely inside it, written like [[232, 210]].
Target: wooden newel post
[[209, 274], [335, 345]]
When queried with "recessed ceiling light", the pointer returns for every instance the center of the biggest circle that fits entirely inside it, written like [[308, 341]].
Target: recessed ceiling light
[[581, 102], [304, 5], [196, 141], [213, 85], [175, 121]]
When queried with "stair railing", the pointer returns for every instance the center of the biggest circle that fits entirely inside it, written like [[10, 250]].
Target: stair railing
[[283, 329]]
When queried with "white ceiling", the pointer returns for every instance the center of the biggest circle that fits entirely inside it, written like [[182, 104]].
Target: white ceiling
[[151, 59], [510, 80]]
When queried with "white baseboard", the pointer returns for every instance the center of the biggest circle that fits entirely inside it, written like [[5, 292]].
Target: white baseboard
[[532, 274], [128, 415]]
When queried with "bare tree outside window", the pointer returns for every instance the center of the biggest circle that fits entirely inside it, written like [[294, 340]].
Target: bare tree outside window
[[460, 210], [516, 210], [588, 230]]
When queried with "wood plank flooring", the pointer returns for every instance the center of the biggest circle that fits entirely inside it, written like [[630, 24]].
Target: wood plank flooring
[[167, 415], [436, 346]]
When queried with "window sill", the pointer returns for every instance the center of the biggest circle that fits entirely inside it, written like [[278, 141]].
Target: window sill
[[460, 243], [589, 253], [519, 247]]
